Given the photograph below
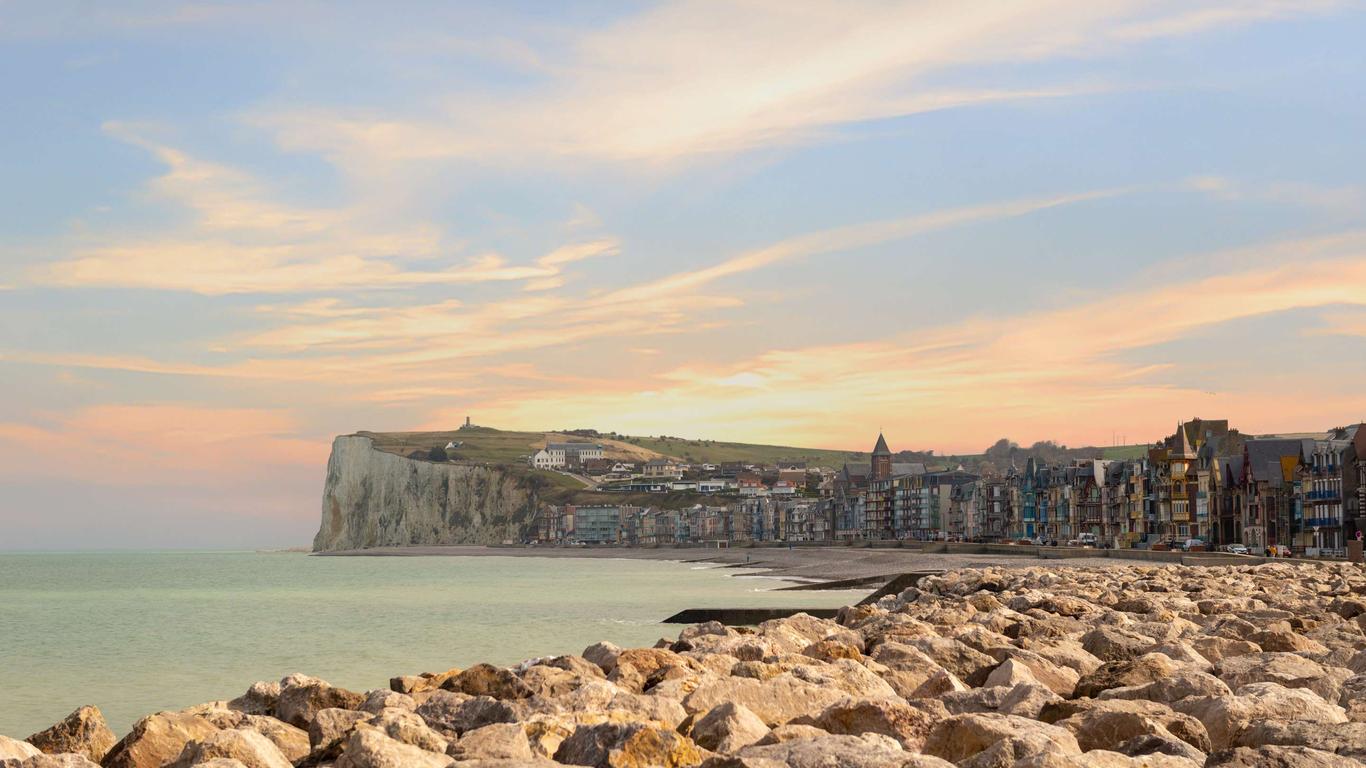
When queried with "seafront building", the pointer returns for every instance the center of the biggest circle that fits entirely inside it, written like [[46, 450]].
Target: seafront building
[[1205, 484]]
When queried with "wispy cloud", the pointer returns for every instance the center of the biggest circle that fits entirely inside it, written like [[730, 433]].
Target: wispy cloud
[[239, 240], [1055, 373], [692, 77], [1338, 199]]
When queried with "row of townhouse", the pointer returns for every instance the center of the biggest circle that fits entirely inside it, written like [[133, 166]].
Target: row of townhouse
[[1204, 482], [741, 522]]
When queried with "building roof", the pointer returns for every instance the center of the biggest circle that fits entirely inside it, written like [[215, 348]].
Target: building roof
[[881, 448], [908, 468], [1264, 456], [570, 447]]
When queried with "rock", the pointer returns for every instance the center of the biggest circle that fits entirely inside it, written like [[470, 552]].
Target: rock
[[603, 655], [378, 700], [502, 741], [248, 747], [727, 727], [259, 699], [1115, 644], [368, 748], [1345, 739], [14, 749], [1127, 672], [407, 727], [302, 697], [1279, 757], [1107, 727], [888, 717], [967, 664], [83, 732], [1026, 700], [1218, 648], [830, 650], [488, 680], [826, 751], [1283, 639], [453, 713], [1009, 674], [1158, 744], [1287, 669], [963, 737], [940, 683], [292, 742], [59, 760], [157, 740], [776, 700], [332, 726], [627, 745], [1224, 716], [1180, 685], [907, 667]]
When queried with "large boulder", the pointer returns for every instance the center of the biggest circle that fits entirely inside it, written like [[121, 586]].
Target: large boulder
[[83, 732], [14, 749], [628, 745], [1109, 725], [823, 750], [1113, 644], [259, 699], [1126, 672], [302, 697], [248, 747], [1346, 739], [368, 748], [1225, 716], [409, 728], [888, 717], [1279, 757], [60, 760], [500, 741], [157, 740], [1287, 669], [488, 680], [455, 713], [961, 738], [776, 700], [727, 727]]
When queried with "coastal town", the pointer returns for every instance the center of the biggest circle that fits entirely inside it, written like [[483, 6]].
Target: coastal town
[[1205, 486]]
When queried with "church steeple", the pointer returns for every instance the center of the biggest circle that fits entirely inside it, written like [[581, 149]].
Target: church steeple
[[882, 460]]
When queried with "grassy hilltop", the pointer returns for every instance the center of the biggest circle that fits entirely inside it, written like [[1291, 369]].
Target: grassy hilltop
[[495, 446]]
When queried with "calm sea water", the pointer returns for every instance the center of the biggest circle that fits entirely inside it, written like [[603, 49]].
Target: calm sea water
[[139, 632]]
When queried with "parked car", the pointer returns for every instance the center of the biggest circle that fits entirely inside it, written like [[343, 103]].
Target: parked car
[[1193, 544], [1237, 549]]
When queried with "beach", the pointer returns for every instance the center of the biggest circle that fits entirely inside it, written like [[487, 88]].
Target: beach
[[803, 563]]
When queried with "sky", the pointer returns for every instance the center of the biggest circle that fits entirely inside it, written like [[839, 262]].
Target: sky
[[232, 231]]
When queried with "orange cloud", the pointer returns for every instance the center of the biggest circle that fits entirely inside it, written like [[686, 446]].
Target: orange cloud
[[157, 445], [1049, 374]]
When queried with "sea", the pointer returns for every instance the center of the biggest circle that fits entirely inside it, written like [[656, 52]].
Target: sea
[[139, 632]]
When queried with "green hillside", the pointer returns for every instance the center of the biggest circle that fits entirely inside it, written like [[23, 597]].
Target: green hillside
[[717, 452], [496, 446]]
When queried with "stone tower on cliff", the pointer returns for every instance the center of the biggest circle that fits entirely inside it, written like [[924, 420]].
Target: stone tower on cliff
[[882, 460]]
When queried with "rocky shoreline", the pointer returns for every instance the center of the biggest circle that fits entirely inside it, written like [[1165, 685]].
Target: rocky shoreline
[[1044, 667]]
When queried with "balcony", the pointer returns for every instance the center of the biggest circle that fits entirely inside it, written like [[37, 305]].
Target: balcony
[[1322, 496], [1322, 522]]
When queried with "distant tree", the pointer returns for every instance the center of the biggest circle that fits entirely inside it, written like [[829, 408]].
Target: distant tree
[[437, 453]]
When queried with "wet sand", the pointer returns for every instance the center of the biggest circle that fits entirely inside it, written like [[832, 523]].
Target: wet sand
[[814, 564]]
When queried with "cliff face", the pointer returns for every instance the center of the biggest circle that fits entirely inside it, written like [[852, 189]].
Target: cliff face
[[374, 499]]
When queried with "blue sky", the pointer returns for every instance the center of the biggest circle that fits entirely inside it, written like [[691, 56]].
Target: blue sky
[[229, 231]]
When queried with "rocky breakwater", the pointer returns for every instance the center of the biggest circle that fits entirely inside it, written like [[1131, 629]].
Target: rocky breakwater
[[374, 499], [1167, 667]]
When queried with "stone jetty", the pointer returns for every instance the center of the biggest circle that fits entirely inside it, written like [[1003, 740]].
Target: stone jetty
[[1164, 666]]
